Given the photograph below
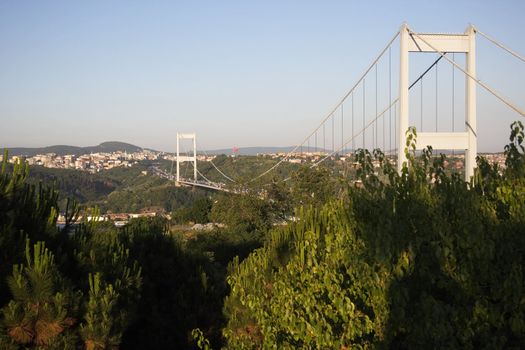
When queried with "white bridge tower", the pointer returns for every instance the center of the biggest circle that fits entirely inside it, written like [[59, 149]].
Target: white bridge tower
[[181, 159], [440, 43]]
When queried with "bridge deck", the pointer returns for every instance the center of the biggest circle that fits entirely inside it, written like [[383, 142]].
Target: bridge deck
[[204, 185]]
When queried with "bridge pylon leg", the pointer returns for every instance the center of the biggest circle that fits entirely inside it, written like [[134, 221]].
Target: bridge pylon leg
[[403, 96], [470, 123]]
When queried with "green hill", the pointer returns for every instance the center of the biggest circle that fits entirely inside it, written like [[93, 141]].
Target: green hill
[[115, 190], [111, 146]]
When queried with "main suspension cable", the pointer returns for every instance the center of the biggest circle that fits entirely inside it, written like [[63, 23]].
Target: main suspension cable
[[219, 170], [500, 45], [478, 81], [362, 131], [333, 109]]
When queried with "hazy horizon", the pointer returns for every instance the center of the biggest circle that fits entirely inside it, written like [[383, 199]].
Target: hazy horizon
[[237, 74]]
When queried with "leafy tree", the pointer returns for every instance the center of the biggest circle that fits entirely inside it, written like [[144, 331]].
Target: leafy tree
[[420, 259], [280, 198], [182, 289], [198, 212], [246, 212], [74, 184], [311, 186]]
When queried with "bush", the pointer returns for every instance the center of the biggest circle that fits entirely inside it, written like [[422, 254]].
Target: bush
[[198, 212], [417, 260]]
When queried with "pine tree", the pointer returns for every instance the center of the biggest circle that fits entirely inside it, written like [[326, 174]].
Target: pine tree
[[100, 331], [39, 311]]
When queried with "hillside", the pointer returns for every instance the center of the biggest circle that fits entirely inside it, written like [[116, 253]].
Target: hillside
[[115, 190], [253, 151], [111, 146]]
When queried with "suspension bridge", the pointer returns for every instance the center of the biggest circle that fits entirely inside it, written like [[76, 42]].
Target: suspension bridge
[[381, 106]]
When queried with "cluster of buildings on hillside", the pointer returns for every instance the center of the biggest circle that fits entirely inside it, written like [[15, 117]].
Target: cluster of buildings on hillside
[[454, 161], [122, 219], [495, 158], [118, 219], [309, 157], [300, 157], [93, 162], [457, 161], [200, 157]]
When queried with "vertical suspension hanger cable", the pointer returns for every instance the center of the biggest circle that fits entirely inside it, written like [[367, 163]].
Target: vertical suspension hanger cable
[[355, 86], [353, 142], [333, 133], [186, 165], [369, 124], [478, 81], [390, 98], [364, 107], [383, 118], [315, 150], [453, 94], [453, 101], [437, 96], [395, 126], [324, 137], [421, 103], [308, 147], [376, 137], [342, 129]]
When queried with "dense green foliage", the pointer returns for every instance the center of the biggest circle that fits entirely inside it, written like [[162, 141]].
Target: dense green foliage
[[244, 168], [78, 185], [182, 289], [66, 287], [138, 188], [421, 260], [198, 212], [115, 190], [94, 286]]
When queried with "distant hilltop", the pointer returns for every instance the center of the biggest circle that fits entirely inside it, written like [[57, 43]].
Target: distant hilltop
[[107, 147]]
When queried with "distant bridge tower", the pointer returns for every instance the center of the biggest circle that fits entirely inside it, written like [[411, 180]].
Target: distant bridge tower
[[444, 43], [187, 158]]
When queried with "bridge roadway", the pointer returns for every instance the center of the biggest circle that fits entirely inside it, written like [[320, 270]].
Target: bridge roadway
[[203, 185], [209, 185]]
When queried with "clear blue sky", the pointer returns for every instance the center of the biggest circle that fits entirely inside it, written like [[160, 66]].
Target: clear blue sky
[[243, 73]]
